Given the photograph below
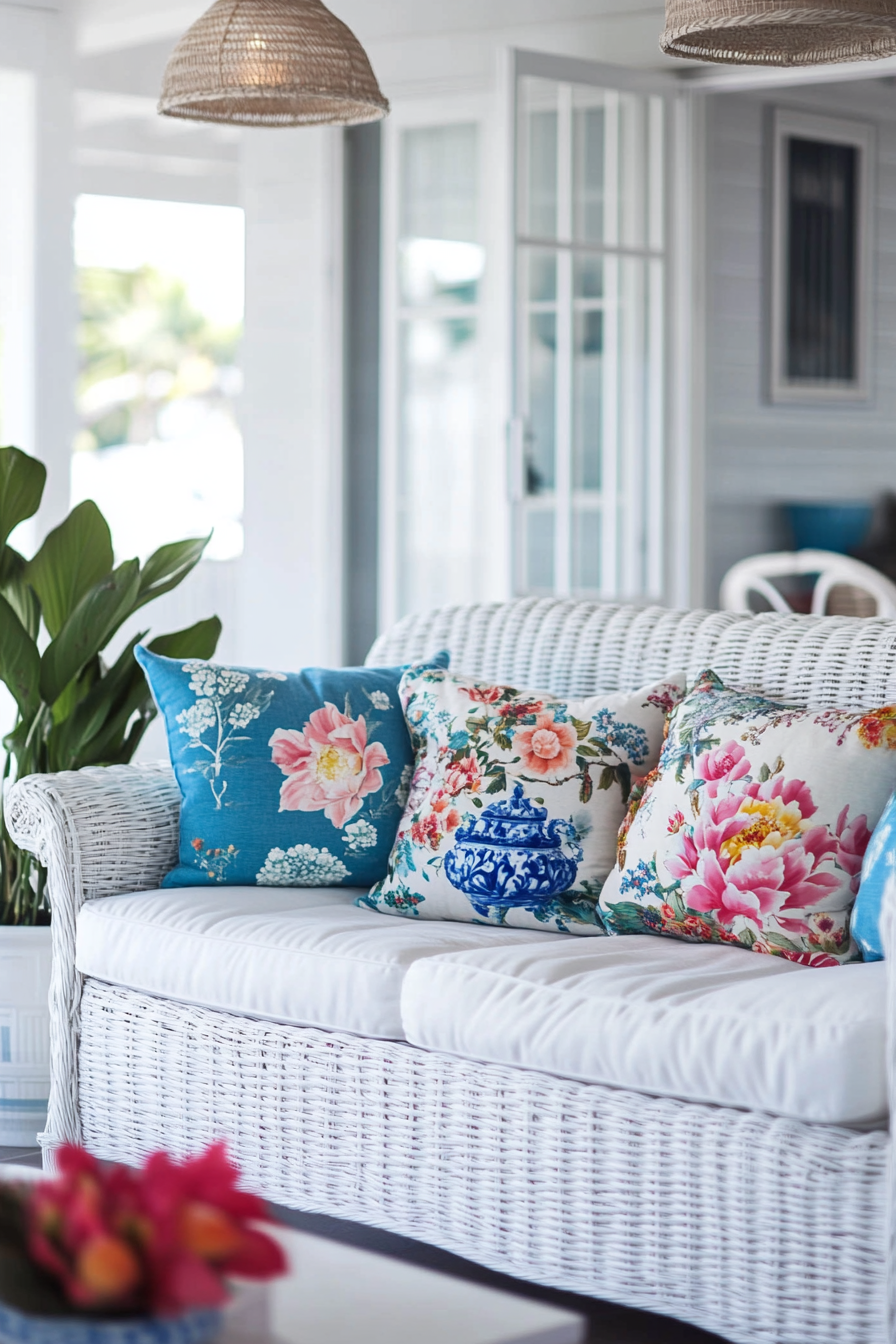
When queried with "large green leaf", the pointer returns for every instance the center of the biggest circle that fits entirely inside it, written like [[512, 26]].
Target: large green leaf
[[199, 641], [169, 566], [69, 743], [108, 746], [66, 704], [18, 593], [75, 557], [19, 661], [125, 754], [89, 628], [26, 743], [107, 725], [22, 480]]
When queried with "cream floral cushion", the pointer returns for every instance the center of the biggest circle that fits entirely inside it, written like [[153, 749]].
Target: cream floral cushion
[[753, 828], [516, 800]]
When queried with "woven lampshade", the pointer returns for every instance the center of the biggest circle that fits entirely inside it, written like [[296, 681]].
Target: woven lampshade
[[780, 32], [271, 63]]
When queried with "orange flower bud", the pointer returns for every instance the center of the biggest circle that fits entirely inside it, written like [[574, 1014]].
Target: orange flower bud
[[107, 1268], [208, 1232], [48, 1217]]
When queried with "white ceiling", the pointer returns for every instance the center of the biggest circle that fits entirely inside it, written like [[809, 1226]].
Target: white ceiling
[[417, 47], [105, 25]]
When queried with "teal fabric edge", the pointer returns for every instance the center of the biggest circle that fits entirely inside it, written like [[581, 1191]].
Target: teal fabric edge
[[878, 869]]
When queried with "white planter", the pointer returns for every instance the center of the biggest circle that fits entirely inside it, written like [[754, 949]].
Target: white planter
[[25, 956]]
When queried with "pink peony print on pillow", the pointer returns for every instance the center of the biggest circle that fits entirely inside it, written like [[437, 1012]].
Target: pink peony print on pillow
[[754, 826], [330, 767]]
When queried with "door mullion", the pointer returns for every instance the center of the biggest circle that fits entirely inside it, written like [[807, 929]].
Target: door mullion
[[563, 432], [609, 567]]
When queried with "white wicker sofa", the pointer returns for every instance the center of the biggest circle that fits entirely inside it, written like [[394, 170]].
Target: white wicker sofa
[[432, 1118]]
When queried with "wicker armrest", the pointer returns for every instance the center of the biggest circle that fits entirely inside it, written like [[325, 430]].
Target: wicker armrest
[[98, 832]]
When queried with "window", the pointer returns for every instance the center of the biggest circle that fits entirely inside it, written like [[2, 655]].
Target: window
[[433, 538], [822, 218], [161, 309], [587, 434]]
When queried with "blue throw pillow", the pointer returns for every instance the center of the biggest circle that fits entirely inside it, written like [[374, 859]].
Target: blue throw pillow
[[287, 779], [878, 867]]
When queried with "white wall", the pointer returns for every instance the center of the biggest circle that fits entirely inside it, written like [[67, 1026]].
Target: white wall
[[55, 307], [36, 51], [36, 293], [18, 169], [760, 455], [291, 572]]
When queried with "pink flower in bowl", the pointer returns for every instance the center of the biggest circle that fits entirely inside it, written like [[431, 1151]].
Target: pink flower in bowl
[[329, 765], [548, 748]]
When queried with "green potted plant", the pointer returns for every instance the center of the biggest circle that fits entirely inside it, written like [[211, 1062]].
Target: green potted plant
[[59, 612]]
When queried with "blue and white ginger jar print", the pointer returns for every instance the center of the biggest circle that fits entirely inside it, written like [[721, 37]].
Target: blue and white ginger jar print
[[510, 857]]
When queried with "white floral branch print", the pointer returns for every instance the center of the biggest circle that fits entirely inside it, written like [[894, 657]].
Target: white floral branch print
[[226, 704]]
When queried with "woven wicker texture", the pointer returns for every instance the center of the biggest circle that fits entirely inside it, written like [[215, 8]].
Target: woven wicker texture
[[760, 1229], [98, 833], [578, 648], [271, 63], [780, 32]]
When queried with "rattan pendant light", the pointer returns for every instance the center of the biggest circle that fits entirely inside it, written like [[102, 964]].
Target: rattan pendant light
[[780, 32], [271, 63]]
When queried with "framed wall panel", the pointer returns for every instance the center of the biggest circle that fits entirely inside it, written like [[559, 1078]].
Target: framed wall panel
[[822, 258]]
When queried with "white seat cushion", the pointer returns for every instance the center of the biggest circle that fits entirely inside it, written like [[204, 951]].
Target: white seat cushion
[[702, 1023], [303, 956]]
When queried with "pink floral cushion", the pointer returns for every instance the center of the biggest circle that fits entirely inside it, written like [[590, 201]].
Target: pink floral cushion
[[753, 828], [516, 800]]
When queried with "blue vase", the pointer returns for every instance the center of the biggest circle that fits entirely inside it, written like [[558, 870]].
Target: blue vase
[[509, 856], [193, 1327], [839, 527]]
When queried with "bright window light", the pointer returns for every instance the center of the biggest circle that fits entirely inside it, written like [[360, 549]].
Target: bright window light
[[161, 292]]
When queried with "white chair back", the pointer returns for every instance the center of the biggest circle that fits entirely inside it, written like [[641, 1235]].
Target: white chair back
[[754, 575]]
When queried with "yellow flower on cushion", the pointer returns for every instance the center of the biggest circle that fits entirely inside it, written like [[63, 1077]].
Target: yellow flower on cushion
[[772, 821], [333, 763]]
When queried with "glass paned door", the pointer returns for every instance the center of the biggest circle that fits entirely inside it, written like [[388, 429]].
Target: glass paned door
[[441, 264], [587, 434]]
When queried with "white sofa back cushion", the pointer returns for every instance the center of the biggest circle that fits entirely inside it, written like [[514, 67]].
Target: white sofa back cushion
[[697, 1022]]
